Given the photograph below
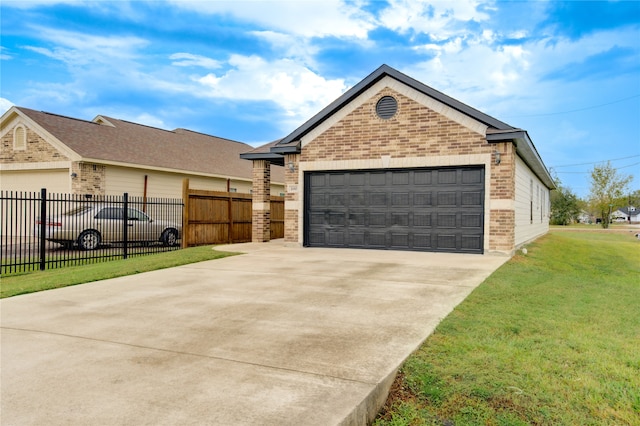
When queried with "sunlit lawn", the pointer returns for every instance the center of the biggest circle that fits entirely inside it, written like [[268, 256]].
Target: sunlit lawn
[[551, 338]]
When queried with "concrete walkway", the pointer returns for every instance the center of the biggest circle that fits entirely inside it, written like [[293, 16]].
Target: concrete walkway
[[278, 336]]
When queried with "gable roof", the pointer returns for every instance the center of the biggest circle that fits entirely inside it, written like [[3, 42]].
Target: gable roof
[[370, 80], [113, 141], [497, 131]]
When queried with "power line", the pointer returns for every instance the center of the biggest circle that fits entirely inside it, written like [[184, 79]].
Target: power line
[[595, 162], [586, 173], [575, 110]]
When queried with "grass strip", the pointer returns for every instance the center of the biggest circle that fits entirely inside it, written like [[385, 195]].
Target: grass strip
[[31, 282], [550, 338]]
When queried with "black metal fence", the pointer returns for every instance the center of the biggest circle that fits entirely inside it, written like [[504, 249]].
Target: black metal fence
[[43, 231]]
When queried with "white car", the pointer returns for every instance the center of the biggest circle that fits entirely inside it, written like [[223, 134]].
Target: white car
[[89, 226]]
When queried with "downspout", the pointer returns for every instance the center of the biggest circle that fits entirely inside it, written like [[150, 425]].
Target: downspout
[[144, 194]]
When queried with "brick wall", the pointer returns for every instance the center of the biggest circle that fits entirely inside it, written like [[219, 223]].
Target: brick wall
[[90, 178], [37, 149], [414, 131]]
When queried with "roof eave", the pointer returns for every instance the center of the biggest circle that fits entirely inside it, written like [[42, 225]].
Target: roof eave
[[527, 151], [276, 159]]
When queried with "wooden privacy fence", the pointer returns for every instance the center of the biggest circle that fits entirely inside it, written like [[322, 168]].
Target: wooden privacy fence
[[212, 217]]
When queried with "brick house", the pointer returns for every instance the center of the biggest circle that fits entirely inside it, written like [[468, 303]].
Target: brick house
[[395, 164], [107, 156]]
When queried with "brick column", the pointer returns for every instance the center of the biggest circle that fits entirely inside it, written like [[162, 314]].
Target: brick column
[[292, 197], [261, 208], [503, 215]]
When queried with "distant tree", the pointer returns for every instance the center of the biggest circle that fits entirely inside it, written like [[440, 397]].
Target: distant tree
[[564, 205], [607, 186]]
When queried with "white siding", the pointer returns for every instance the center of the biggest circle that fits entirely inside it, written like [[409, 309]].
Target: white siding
[[168, 185], [531, 204], [56, 181]]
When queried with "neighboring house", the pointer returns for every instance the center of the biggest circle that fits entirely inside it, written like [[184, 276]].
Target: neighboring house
[[626, 214], [584, 217], [395, 164], [108, 156]]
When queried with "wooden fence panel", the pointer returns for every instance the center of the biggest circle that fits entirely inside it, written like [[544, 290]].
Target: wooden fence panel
[[277, 217], [213, 217]]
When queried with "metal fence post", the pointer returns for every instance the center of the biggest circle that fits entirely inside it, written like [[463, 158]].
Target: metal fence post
[[125, 224], [43, 228]]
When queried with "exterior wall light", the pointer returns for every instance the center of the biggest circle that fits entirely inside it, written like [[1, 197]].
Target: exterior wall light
[[292, 167], [498, 157]]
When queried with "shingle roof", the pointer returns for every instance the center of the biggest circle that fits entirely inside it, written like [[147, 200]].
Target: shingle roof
[[140, 145]]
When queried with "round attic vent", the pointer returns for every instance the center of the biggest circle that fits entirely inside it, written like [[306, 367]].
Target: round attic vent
[[386, 107]]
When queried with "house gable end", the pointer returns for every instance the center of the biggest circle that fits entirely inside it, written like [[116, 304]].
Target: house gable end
[[420, 127], [41, 146], [393, 88]]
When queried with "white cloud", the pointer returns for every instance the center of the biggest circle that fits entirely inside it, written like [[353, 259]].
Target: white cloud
[[436, 18], [305, 18], [149, 120], [78, 49], [191, 60], [5, 104], [299, 91]]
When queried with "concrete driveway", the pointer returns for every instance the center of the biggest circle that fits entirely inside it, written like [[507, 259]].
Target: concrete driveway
[[278, 336]]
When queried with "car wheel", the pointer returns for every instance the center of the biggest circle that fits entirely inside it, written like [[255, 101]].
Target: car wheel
[[169, 237], [89, 240]]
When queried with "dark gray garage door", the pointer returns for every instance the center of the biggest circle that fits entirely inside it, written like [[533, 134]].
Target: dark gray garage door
[[436, 209]]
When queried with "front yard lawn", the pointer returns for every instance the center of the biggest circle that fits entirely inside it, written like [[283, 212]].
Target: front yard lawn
[[30, 282], [551, 338]]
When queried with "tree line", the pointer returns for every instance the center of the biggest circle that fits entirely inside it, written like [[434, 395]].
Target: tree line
[[609, 191]]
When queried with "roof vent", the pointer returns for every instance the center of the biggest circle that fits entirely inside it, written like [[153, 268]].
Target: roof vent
[[386, 107]]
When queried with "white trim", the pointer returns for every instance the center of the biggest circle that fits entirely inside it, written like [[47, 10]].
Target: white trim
[[263, 207], [403, 89], [35, 166]]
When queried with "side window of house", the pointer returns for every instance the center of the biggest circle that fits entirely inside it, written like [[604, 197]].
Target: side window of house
[[19, 138]]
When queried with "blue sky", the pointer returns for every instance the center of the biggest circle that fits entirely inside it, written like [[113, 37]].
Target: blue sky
[[567, 72]]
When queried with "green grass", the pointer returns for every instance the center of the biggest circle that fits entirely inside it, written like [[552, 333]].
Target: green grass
[[30, 282], [551, 338]]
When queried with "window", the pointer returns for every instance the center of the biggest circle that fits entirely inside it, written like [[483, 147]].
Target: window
[[19, 139], [134, 214], [110, 213]]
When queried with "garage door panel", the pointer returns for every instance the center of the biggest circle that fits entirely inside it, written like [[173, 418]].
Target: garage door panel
[[408, 209], [447, 199], [447, 176], [471, 221], [473, 176], [377, 239], [446, 242], [422, 199], [471, 198], [471, 242], [377, 219]]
